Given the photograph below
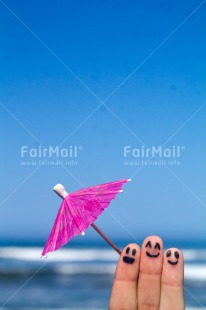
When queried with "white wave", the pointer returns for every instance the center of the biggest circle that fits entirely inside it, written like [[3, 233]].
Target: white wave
[[76, 260], [93, 269], [195, 272], [34, 254], [99, 254], [192, 272]]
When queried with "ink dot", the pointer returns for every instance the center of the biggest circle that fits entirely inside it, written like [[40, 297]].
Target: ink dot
[[127, 250], [168, 253], [134, 252], [177, 255]]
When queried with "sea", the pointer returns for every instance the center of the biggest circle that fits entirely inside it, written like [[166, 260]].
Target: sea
[[80, 275]]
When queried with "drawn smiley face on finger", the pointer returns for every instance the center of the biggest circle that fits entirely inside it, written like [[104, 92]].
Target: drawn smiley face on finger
[[129, 259], [154, 252], [176, 256]]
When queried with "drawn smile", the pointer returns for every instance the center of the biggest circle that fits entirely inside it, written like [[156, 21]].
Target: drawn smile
[[152, 255], [128, 260], [172, 263]]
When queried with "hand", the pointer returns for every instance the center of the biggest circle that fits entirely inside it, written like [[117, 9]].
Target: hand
[[148, 279]]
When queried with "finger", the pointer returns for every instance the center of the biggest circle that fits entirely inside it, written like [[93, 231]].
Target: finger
[[124, 291], [172, 282], [149, 284]]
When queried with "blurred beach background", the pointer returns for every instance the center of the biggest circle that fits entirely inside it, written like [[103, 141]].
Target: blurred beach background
[[93, 92], [80, 276]]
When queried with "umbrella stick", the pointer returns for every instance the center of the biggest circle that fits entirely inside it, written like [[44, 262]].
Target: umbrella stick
[[107, 239]]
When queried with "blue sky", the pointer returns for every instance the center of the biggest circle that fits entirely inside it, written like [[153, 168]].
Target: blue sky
[[58, 62]]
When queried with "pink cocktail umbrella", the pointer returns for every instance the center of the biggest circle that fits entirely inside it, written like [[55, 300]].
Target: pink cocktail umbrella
[[79, 210]]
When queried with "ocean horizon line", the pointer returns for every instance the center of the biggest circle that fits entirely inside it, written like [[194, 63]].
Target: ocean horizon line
[[84, 242]]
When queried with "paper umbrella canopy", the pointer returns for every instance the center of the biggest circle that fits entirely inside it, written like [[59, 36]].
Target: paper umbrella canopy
[[79, 210]]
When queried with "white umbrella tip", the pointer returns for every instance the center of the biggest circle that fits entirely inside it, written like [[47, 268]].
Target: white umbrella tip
[[60, 190], [58, 186], [121, 191], [129, 180]]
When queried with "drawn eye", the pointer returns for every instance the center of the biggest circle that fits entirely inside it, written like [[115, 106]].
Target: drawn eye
[[157, 245], [134, 252], [168, 253], [148, 245], [177, 255]]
